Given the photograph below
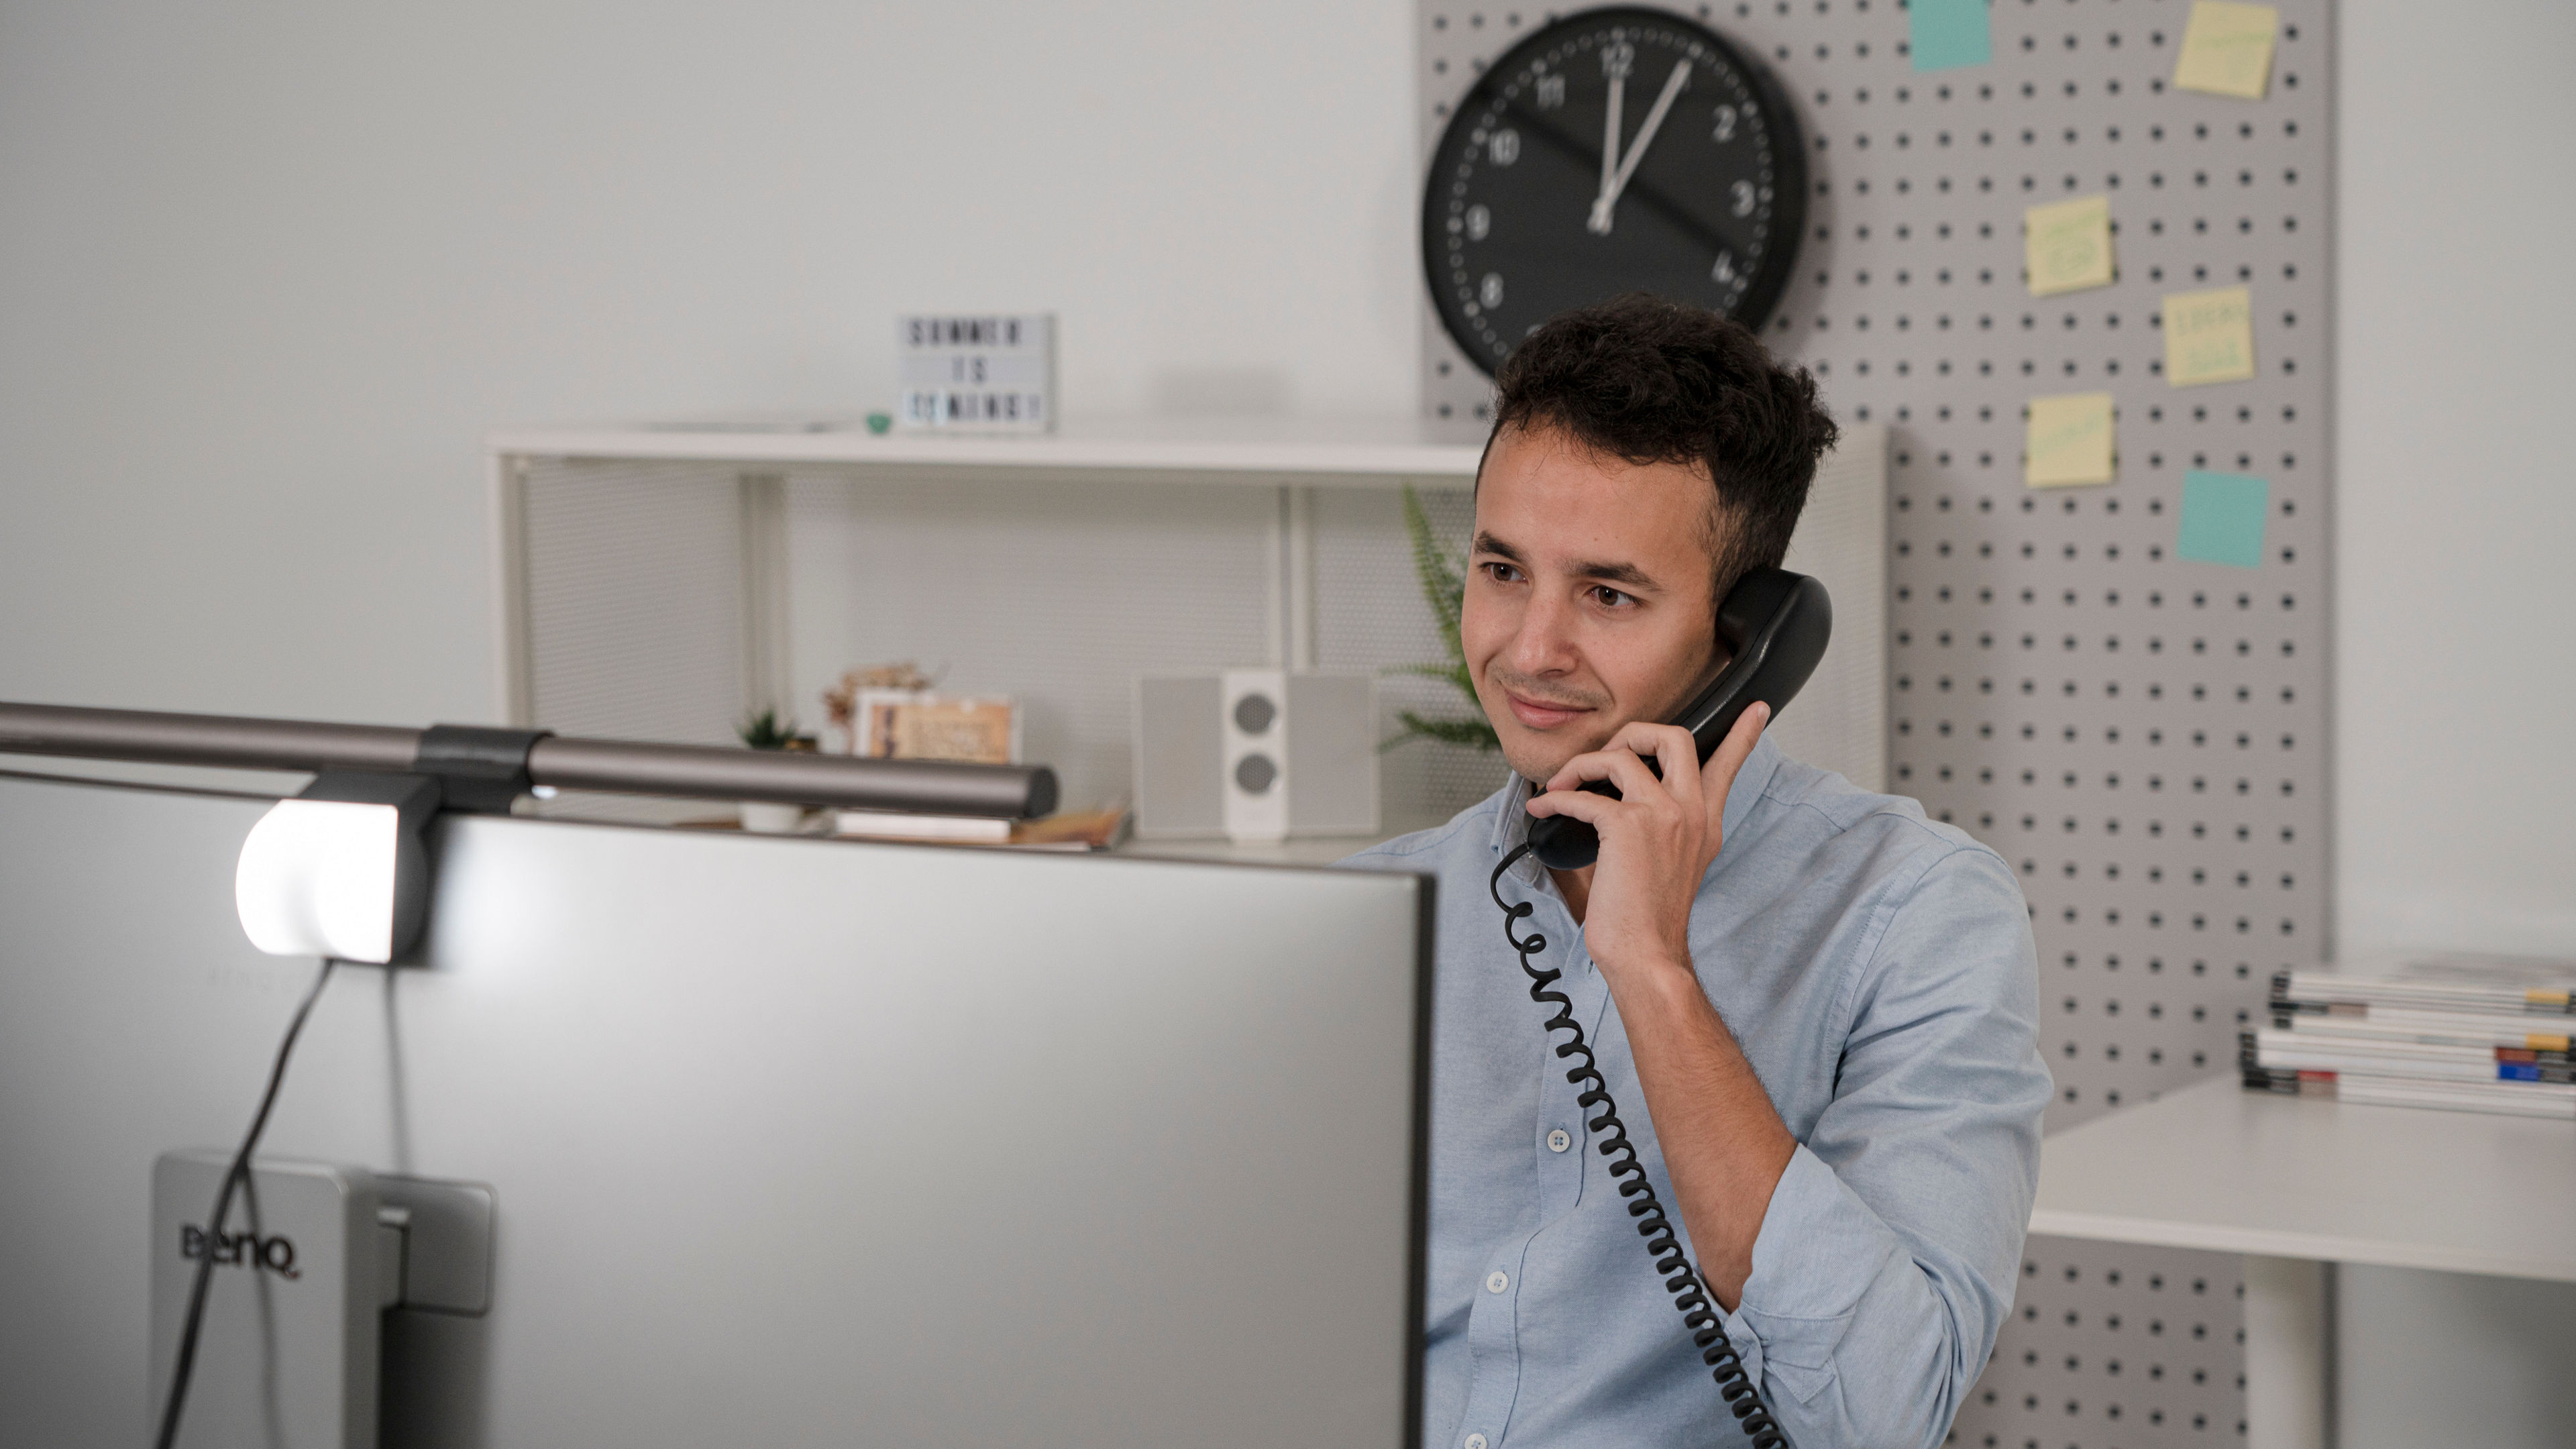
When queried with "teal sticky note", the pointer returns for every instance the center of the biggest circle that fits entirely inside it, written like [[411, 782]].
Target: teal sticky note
[[1949, 33], [2222, 518]]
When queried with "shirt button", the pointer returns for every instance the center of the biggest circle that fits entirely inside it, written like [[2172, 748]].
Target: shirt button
[[1475, 1441], [1497, 1281], [1557, 1141]]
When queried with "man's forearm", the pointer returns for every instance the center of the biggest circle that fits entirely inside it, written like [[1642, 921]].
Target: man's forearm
[[1723, 1142]]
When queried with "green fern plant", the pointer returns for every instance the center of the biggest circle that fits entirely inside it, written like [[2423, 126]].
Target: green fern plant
[[1443, 576]]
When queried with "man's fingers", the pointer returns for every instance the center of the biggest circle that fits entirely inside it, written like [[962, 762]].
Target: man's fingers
[[1717, 777], [1746, 734], [1674, 752], [1619, 766], [1580, 805], [1684, 779]]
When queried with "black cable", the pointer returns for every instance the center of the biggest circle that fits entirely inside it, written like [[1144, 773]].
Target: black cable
[[1690, 1294], [235, 1176]]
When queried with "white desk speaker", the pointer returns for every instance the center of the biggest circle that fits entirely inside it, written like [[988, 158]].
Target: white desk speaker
[[1256, 754]]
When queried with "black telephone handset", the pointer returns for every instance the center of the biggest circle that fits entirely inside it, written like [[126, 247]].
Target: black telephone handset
[[1775, 623]]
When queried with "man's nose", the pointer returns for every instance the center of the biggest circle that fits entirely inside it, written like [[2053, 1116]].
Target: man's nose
[[1544, 643]]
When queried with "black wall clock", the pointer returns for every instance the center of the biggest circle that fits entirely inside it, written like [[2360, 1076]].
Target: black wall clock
[[1614, 150]]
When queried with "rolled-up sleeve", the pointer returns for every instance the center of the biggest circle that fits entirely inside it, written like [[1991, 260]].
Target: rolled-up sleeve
[[1888, 1256]]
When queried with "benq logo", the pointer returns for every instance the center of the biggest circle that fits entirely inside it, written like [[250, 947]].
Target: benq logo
[[276, 1254]]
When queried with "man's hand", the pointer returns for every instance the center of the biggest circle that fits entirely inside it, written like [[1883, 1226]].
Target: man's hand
[[1656, 840], [1722, 1140]]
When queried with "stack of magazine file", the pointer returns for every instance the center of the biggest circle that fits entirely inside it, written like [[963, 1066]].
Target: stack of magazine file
[[2467, 1034]]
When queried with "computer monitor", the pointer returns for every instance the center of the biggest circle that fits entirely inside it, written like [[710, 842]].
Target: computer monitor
[[792, 1141]]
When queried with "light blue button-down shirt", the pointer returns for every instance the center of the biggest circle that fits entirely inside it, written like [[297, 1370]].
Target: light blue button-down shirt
[[1877, 968]]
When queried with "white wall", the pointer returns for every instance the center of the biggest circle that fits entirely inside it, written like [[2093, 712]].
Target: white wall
[[269, 272], [2456, 477]]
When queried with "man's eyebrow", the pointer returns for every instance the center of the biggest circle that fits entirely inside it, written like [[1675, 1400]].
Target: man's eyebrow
[[1625, 574], [1617, 573]]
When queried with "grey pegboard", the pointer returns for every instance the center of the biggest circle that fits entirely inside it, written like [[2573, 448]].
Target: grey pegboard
[[2144, 737], [1369, 614], [2113, 1344], [635, 611], [634, 599]]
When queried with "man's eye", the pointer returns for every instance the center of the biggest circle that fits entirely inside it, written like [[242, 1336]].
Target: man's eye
[[1612, 598], [1501, 573]]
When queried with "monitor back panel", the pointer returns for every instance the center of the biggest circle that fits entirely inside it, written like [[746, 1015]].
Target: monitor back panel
[[794, 1142]]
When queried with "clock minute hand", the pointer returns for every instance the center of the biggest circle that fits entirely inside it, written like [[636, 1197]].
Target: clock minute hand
[[1645, 136], [1599, 222]]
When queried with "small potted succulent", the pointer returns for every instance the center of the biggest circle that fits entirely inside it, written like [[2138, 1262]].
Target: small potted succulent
[[765, 731]]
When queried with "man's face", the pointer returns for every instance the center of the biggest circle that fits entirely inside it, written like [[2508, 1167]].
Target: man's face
[[1588, 595]]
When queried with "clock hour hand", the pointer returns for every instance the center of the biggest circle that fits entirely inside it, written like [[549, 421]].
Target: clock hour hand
[[1618, 182]]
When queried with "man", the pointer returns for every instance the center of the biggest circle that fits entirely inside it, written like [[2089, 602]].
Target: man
[[1814, 1009]]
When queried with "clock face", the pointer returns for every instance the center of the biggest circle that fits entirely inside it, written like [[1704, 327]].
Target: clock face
[[1615, 150]]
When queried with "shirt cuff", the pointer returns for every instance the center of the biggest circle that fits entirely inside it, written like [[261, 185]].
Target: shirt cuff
[[1819, 1250]]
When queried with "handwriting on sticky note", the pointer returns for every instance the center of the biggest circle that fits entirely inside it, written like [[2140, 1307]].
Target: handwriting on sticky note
[[2068, 246], [2222, 518], [2069, 440], [1946, 34], [2209, 336], [2227, 49]]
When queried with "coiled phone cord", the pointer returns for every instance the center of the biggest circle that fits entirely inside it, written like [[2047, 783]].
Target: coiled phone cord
[[1690, 1295]]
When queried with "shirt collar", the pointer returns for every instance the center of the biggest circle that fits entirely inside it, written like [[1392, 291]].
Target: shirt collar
[[1511, 818], [1750, 783]]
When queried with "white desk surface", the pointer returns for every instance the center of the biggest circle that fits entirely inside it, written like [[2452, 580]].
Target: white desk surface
[[2219, 1168]]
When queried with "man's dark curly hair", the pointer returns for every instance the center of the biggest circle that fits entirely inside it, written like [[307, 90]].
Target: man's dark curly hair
[[1651, 381]]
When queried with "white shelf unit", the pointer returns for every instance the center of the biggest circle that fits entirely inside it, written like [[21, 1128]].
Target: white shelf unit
[[661, 580], [1368, 451]]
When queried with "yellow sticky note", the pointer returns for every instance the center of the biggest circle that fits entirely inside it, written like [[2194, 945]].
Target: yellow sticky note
[[2209, 336], [2227, 49], [2069, 440], [2068, 245]]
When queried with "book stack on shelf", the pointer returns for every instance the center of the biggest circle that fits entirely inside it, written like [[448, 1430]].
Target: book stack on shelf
[[2464, 1034]]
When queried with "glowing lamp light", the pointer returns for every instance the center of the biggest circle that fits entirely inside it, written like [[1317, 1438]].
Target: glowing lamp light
[[341, 870]]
